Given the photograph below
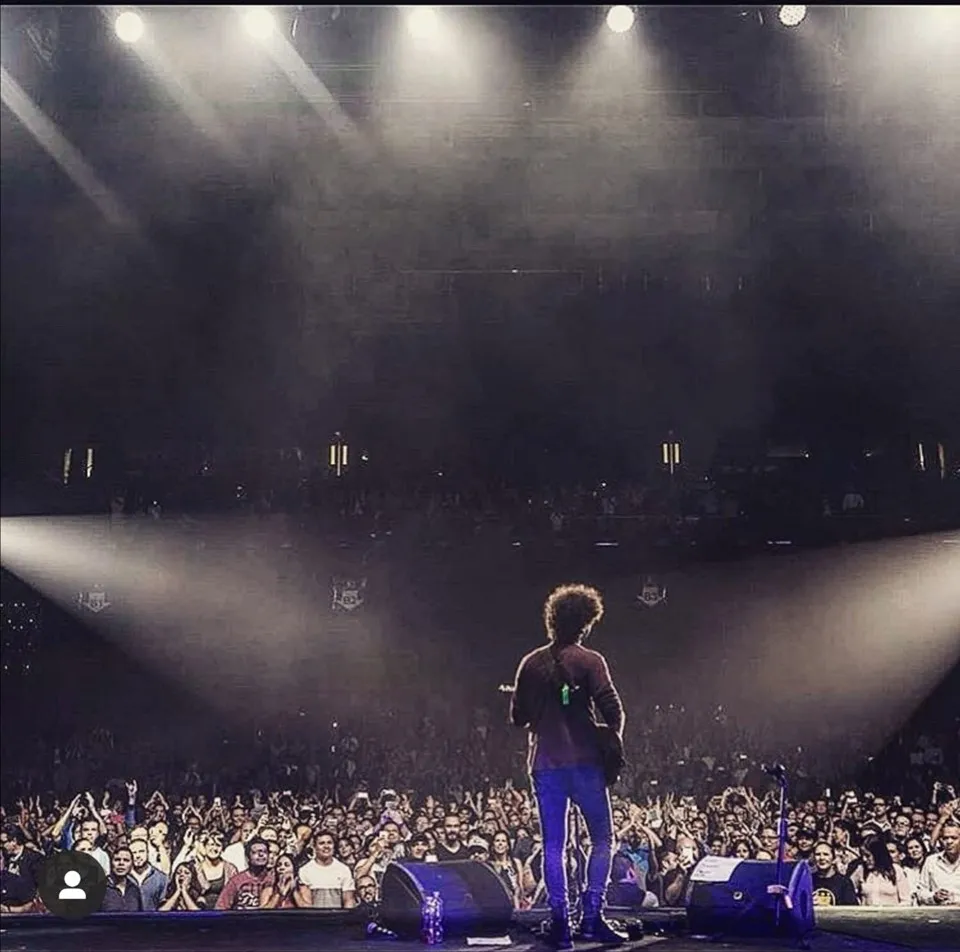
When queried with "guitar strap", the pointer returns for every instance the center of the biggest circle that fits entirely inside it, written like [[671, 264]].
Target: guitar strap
[[562, 679]]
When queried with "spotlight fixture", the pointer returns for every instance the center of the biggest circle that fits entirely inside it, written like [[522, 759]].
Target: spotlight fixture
[[620, 19], [259, 22], [422, 22], [128, 26], [792, 14]]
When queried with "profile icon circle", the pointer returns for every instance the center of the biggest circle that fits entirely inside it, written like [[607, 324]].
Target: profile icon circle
[[72, 884]]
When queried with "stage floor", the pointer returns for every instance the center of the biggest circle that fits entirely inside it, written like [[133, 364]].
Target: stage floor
[[838, 930]]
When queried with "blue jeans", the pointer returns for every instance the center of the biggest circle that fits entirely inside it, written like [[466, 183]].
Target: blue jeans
[[584, 786]]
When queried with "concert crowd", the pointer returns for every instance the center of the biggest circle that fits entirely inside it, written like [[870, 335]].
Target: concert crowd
[[276, 821], [285, 832]]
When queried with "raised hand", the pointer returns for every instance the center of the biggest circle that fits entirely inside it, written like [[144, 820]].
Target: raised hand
[[946, 809]]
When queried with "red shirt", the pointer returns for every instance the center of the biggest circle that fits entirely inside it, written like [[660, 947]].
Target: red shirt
[[563, 735], [243, 890]]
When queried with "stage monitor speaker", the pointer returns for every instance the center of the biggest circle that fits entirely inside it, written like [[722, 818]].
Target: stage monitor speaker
[[475, 900], [730, 897]]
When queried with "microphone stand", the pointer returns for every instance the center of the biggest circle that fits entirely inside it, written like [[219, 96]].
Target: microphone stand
[[781, 777], [779, 773]]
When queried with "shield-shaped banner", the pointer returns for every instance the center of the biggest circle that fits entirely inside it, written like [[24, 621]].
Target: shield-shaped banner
[[652, 593], [348, 593], [95, 600]]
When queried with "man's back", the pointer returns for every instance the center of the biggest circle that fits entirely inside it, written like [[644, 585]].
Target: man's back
[[563, 735]]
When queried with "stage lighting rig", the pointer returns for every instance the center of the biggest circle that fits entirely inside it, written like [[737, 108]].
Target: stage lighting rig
[[129, 26], [620, 19], [259, 22], [42, 29], [792, 14], [423, 22]]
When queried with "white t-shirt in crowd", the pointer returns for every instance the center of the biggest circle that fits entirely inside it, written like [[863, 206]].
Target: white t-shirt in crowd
[[327, 884], [236, 854], [100, 855]]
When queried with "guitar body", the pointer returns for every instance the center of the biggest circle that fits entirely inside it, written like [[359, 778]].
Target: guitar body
[[611, 753]]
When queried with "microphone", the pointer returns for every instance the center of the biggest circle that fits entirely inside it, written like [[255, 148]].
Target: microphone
[[377, 931], [777, 771]]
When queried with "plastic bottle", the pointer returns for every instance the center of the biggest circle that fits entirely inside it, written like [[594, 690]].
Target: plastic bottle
[[438, 919], [427, 920]]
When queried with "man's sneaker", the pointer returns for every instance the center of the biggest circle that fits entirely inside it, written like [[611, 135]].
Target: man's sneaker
[[593, 927]]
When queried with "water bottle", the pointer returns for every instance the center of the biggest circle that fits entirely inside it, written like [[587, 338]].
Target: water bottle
[[427, 918], [438, 919]]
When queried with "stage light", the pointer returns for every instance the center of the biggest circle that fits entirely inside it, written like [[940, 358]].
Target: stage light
[[423, 22], [620, 19], [792, 14], [128, 26], [259, 22]]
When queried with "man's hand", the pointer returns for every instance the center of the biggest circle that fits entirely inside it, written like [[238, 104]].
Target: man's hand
[[942, 896], [949, 808]]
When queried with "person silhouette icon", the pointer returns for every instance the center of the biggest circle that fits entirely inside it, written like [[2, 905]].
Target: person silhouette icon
[[71, 891], [59, 884]]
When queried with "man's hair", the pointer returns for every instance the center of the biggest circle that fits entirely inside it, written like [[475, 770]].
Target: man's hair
[[15, 833], [570, 612]]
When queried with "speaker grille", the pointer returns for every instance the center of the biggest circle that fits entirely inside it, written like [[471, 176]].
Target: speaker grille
[[475, 901], [739, 904]]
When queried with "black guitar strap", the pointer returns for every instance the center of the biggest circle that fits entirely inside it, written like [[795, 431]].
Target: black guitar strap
[[561, 678]]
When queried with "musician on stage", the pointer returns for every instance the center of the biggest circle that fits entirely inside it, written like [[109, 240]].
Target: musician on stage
[[558, 690]]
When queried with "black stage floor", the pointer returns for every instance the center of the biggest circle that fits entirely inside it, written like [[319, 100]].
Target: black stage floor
[[838, 930]]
